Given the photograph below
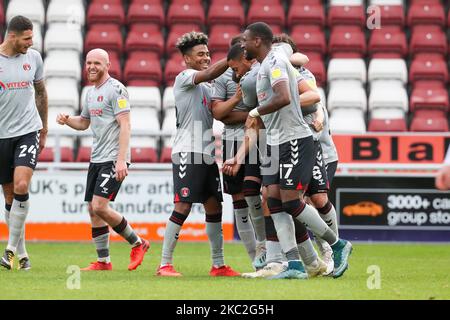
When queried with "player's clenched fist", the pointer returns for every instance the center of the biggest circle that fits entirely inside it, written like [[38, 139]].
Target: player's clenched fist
[[62, 118], [231, 167]]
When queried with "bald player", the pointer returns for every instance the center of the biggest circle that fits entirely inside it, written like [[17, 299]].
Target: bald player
[[107, 111], [23, 130]]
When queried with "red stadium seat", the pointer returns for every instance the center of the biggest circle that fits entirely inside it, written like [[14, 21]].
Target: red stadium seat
[[173, 67], [218, 55], [175, 32], [220, 37], [428, 67], [266, 11], [46, 155], [143, 68], [108, 1], [166, 155], [309, 38], [424, 96], [392, 15], [388, 42], [84, 154], [426, 13], [146, 11], [429, 121], [306, 14], [144, 155], [428, 39], [226, 13], [388, 125], [185, 13], [105, 13], [348, 15], [104, 36], [347, 42], [317, 66], [142, 37]]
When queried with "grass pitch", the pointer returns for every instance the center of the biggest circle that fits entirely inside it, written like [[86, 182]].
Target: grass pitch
[[407, 271]]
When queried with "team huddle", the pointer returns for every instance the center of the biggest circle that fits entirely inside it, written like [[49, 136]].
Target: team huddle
[[279, 158]]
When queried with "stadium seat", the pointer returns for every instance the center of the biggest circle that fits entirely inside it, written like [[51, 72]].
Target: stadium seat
[[347, 69], [347, 42], [38, 41], [348, 121], [168, 99], [60, 36], [388, 125], [184, 13], [426, 13], [32, 9], [62, 92], [142, 68], [66, 147], [173, 67], [305, 14], [105, 13], [428, 39], [429, 121], [347, 95], [309, 38], [424, 96], [317, 66], [346, 15], [145, 119], [220, 37], [2, 18], [226, 12], [146, 11], [428, 67], [148, 97], [63, 63], [143, 37], [388, 42], [70, 12], [266, 11], [176, 32], [391, 12], [84, 150], [106, 37], [143, 155], [388, 69], [169, 122], [166, 155], [388, 94]]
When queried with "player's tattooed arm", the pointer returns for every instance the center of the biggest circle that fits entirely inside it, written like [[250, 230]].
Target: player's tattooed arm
[[42, 106], [212, 72]]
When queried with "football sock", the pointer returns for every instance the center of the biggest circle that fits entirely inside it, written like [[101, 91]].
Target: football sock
[[304, 243], [252, 190], [328, 214], [215, 236], [273, 248], [127, 232], [100, 236], [17, 217], [245, 227], [171, 235]]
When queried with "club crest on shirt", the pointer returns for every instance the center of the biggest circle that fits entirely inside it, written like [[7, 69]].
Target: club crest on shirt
[[26, 67]]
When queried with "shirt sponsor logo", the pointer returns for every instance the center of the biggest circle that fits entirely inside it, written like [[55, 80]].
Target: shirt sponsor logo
[[14, 85], [95, 112]]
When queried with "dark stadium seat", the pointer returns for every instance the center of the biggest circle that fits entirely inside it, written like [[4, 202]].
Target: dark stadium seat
[[346, 15], [183, 12], [392, 15], [426, 96], [146, 11], [144, 155], [166, 155], [104, 36], [309, 38], [347, 42], [388, 42], [105, 13], [226, 12], [143, 69], [84, 154], [220, 37], [429, 121], [267, 11], [173, 67], [428, 67], [388, 125], [426, 12], [143, 37], [306, 13], [428, 38], [175, 32]]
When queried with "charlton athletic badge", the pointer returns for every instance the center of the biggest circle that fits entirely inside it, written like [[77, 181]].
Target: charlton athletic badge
[[185, 192], [26, 67]]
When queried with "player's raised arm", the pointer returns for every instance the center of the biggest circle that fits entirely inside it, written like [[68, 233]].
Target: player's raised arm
[[75, 122]]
